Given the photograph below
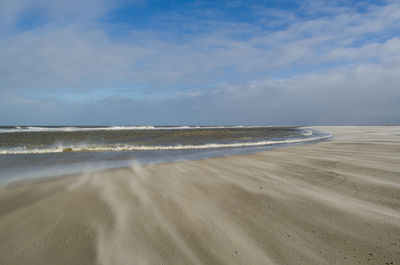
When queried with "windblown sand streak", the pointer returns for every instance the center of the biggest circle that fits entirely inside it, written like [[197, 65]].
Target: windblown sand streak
[[336, 202]]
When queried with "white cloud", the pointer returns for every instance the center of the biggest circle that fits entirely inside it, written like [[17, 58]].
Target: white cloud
[[12, 11], [215, 66]]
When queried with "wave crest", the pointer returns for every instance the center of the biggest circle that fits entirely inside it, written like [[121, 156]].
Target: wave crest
[[127, 147]]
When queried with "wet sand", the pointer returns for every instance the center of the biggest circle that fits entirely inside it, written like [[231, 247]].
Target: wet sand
[[334, 202]]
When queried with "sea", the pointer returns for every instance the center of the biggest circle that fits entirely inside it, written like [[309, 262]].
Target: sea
[[44, 151]]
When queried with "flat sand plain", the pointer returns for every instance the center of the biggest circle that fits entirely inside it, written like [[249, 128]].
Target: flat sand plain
[[333, 202]]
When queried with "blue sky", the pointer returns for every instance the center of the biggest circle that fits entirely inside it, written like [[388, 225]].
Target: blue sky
[[199, 62]]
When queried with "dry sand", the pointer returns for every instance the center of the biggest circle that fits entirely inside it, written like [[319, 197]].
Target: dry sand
[[335, 202]]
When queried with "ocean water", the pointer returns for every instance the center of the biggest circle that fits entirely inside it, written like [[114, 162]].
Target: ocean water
[[29, 151]]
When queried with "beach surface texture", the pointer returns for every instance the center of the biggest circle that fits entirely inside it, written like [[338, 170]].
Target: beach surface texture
[[333, 202]]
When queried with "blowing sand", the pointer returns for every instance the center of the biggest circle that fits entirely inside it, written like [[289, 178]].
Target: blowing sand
[[335, 202]]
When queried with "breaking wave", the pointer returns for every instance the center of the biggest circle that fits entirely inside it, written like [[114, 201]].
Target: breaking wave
[[128, 147], [15, 129]]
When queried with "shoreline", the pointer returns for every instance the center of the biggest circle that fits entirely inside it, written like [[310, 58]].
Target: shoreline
[[331, 202], [62, 170]]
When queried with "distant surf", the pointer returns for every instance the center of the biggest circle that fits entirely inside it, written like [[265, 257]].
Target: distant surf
[[14, 129]]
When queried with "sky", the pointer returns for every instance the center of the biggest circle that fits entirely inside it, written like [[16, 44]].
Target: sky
[[148, 62]]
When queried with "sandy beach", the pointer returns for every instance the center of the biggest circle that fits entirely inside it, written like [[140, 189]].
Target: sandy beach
[[333, 202]]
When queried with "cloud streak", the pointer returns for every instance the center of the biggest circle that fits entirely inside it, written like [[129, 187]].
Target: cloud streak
[[307, 65]]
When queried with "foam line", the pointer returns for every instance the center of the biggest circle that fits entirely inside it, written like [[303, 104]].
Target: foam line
[[60, 149]]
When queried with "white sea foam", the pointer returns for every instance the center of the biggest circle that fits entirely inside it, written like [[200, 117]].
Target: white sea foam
[[72, 129], [112, 128], [105, 148]]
